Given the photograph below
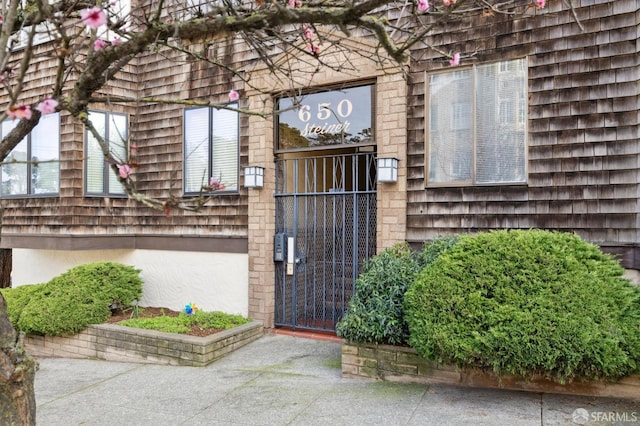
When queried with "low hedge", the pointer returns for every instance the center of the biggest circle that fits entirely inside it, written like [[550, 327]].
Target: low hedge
[[376, 312], [527, 303], [70, 302]]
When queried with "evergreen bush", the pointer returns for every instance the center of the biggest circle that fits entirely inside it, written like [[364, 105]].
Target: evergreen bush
[[376, 312], [17, 298], [527, 303], [70, 302]]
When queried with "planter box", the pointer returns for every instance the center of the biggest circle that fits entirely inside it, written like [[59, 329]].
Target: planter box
[[402, 364], [117, 343]]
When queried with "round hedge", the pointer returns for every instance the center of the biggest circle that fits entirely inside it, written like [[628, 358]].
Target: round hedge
[[527, 303]]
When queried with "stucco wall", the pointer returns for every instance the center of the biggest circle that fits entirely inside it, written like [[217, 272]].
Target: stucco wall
[[213, 281]]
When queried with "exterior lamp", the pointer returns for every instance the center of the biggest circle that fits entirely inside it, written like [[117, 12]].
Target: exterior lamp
[[253, 177], [387, 169]]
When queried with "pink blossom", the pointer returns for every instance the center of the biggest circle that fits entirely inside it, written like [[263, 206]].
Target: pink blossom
[[1, 19], [48, 106], [455, 60], [116, 41], [216, 185], [233, 96], [94, 17], [540, 4], [124, 171], [448, 2], [295, 3], [19, 111], [308, 32], [99, 44], [423, 5], [313, 48]]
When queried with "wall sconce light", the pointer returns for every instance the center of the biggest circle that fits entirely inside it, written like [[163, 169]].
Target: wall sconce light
[[253, 177], [387, 169]]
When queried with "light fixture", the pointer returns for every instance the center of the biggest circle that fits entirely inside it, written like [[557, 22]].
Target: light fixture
[[253, 177], [387, 169]]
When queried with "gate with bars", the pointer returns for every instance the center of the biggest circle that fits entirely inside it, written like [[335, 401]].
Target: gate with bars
[[326, 225]]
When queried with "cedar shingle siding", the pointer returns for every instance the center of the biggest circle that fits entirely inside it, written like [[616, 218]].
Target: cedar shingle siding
[[157, 130], [583, 148]]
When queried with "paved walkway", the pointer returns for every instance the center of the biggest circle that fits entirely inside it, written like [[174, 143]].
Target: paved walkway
[[285, 380]]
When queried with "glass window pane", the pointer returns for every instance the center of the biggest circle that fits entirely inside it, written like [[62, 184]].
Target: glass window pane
[[500, 127], [45, 155], [327, 118], [451, 121], [14, 176], [225, 147], [117, 136], [196, 148], [94, 156]]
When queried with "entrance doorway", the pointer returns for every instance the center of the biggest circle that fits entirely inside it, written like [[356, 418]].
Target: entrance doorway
[[325, 231]]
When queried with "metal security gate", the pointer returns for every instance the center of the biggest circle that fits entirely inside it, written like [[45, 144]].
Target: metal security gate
[[325, 230]]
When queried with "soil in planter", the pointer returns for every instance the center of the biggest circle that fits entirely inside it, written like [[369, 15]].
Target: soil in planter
[[152, 312]]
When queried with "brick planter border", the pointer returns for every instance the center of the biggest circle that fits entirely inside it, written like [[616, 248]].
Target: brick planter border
[[402, 364], [118, 343]]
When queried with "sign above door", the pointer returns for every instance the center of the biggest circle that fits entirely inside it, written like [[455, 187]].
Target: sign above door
[[332, 118]]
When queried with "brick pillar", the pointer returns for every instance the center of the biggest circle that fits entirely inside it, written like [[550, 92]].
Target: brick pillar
[[391, 136], [261, 223]]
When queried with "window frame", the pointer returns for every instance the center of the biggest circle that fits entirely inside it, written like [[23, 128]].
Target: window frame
[[232, 107], [520, 114], [29, 164], [106, 168]]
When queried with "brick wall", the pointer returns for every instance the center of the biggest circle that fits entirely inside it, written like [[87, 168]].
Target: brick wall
[[117, 343], [402, 364], [391, 136]]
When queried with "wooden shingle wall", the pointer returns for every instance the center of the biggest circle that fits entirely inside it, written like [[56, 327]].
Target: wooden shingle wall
[[583, 148], [157, 131]]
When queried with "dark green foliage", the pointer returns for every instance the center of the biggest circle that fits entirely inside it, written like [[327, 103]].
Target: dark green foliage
[[71, 301], [525, 303], [376, 313]]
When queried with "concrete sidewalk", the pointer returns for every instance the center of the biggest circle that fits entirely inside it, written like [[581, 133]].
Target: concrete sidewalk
[[285, 380]]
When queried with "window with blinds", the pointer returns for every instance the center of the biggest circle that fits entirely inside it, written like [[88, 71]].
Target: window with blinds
[[477, 125], [112, 128], [33, 167], [210, 148]]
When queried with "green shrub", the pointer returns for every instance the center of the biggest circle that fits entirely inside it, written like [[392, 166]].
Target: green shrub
[[525, 303], [17, 298], [81, 296], [118, 283], [183, 323], [376, 313]]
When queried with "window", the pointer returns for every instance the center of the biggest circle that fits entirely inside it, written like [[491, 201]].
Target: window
[[33, 167], [477, 125], [100, 179], [210, 148]]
